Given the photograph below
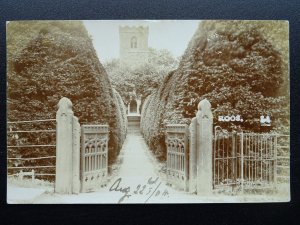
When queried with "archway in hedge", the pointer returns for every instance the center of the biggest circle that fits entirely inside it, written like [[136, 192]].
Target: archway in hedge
[[133, 106]]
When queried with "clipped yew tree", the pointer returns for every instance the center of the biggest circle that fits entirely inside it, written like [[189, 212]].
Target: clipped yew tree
[[140, 79], [48, 60], [241, 67]]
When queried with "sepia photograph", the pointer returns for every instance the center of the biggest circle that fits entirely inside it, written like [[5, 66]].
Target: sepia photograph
[[147, 111]]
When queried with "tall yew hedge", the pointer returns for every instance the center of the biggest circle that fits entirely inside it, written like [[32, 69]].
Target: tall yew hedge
[[48, 60], [241, 67]]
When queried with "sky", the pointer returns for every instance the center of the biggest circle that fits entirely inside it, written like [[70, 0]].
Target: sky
[[173, 35]]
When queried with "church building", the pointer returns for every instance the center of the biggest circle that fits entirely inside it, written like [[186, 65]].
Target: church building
[[134, 51], [134, 44]]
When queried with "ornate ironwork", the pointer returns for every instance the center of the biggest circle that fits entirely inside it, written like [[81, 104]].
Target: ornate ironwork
[[94, 156]]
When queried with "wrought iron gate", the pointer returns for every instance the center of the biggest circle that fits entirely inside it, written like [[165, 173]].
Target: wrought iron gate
[[244, 161], [94, 156]]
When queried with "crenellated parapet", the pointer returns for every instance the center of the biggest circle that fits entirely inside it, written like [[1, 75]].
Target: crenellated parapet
[[134, 44]]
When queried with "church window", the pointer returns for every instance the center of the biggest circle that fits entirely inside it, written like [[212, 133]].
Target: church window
[[133, 42]]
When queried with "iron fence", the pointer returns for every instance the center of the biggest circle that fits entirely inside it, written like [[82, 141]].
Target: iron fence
[[245, 161]]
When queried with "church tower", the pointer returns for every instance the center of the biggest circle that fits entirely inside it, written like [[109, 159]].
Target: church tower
[[134, 44]]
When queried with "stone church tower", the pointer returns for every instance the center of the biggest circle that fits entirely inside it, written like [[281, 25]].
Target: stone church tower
[[134, 44]]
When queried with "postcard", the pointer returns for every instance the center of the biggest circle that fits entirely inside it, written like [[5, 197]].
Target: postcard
[[148, 111]]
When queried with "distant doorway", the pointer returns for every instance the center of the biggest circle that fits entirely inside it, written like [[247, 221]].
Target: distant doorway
[[133, 106]]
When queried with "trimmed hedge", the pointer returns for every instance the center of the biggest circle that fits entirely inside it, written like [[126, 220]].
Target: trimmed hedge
[[55, 59], [122, 116], [239, 66]]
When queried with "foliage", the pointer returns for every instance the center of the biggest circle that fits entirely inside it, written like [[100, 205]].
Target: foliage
[[140, 80], [121, 117], [239, 66], [48, 60]]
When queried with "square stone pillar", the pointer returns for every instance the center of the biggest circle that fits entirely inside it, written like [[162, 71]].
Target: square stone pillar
[[193, 155], [67, 149], [204, 148]]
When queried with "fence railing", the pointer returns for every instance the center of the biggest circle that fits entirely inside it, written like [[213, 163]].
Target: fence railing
[[228, 161], [48, 150], [244, 161], [31, 147]]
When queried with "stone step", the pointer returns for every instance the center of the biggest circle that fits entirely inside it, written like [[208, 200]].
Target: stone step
[[134, 118], [133, 131], [134, 128], [134, 124]]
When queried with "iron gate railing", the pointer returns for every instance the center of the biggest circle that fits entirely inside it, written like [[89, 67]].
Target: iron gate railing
[[244, 161]]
